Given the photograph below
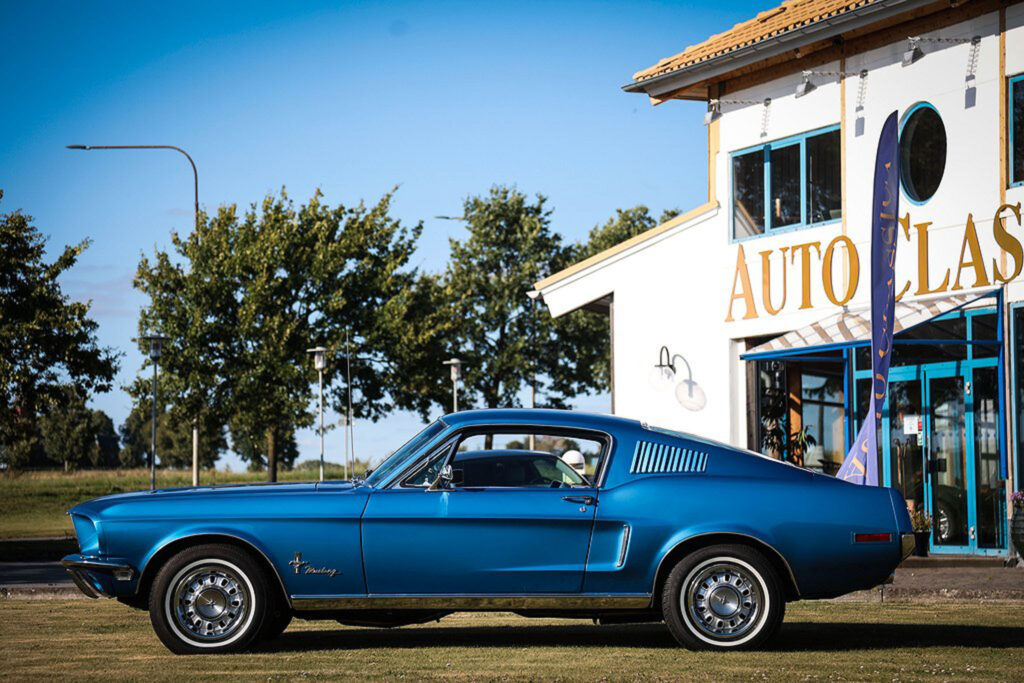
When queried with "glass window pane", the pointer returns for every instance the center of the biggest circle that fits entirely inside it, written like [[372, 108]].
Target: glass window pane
[[922, 153], [771, 413], [824, 192], [991, 499], [1018, 374], [1017, 131], [822, 415], [748, 194], [983, 328], [785, 186]]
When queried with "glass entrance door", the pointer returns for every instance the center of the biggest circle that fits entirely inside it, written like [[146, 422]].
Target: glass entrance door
[[946, 460]]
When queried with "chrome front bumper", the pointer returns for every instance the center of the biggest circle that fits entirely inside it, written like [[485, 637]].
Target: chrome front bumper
[[82, 567]]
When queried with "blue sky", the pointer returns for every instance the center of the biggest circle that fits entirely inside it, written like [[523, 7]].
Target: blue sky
[[442, 98]]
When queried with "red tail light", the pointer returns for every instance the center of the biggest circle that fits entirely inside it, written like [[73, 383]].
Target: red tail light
[[872, 538]]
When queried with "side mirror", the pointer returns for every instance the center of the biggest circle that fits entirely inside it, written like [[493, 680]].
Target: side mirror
[[458, 476], [366, 475]]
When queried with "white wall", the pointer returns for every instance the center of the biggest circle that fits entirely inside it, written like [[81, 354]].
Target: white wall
[[674, 290]]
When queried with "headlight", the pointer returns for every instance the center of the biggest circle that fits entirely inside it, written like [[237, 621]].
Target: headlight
[[85, 530]]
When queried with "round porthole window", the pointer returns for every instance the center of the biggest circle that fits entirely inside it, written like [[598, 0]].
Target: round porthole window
[[922, 152]]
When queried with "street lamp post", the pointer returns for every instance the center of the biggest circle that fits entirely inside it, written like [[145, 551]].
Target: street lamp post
[[456, 366], [156, 344], [320, 362], [195, 224], [533, 294]]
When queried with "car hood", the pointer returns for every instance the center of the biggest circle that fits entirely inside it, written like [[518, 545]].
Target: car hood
[[205, 493]]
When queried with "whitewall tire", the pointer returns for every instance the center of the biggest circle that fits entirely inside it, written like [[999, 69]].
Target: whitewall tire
[[723, 597], [209, 599]]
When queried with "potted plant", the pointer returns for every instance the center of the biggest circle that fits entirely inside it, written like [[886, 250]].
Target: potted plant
[[1017, 523], [921, 523]]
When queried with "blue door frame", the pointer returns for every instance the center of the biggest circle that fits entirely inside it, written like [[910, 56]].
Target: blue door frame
[[924, 373]]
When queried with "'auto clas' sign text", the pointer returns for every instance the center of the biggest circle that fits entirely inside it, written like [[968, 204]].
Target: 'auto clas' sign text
[[971, 270]]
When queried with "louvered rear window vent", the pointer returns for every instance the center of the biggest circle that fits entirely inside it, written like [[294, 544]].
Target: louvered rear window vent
[[656, 458]]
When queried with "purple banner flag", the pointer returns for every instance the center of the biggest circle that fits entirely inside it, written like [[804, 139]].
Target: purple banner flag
[[861, 463]]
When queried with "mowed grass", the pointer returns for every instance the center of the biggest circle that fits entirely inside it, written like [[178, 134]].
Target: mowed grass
[[831, 640], [32, 504]]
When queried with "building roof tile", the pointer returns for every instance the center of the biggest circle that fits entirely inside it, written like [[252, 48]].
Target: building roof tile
[[789, 16]]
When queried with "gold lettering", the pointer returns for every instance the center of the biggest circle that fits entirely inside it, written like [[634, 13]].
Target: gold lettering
[[766, 281], [743, 277], [805, 270], [922, 262], [852, 261], [1008, 243], [971, 241]]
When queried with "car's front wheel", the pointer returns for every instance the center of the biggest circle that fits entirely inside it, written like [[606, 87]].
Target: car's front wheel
[[724, 597], [208, 599]]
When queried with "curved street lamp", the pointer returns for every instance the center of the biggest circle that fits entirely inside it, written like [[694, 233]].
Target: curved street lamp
[[195, 226]]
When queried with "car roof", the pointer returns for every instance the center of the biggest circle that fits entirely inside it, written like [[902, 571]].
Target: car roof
[[544, 417]]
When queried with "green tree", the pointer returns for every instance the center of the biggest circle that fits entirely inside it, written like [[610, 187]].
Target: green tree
[[506, 341], [47, 341], [77, 437], [252, 447], [245, 296]]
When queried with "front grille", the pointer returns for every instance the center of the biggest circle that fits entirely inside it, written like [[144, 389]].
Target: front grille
[[657, 458]]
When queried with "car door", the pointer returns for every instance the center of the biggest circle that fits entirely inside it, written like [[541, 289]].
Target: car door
[[488, 540]]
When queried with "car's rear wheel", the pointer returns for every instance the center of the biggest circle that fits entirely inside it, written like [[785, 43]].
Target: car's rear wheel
[[723, 597], [209, 599]]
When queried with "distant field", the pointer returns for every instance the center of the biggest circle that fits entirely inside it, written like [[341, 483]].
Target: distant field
[[819, 641], [33, 504]]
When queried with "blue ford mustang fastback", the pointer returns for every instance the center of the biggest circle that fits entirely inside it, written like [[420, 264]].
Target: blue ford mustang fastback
[[538, 512]]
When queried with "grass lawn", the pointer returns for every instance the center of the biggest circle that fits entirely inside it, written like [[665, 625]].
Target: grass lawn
[[832, 640], [32, 504]]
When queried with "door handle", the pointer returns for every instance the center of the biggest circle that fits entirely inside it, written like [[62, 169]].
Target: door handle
[[580, 500]]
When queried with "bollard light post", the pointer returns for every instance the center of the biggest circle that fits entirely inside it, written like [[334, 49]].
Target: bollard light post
[[156, 346], [320, 363], [456, 367]]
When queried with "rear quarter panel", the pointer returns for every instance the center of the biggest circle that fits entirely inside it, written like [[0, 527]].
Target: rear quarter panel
[[808, 519]]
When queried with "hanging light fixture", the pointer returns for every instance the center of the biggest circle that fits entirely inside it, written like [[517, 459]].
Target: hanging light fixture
[[913, 52], [714, 112], [805, 85], [663, 375]]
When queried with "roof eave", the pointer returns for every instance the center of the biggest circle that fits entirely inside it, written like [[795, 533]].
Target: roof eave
[[658, 87]]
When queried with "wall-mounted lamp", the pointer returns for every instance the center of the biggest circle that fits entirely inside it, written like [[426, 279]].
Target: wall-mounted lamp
[[805, 85], [663, 376], [914, 53], [714, 111]]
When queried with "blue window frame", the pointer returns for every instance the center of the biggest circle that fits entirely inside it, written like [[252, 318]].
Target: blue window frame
[[1016, 123], [787, 184]]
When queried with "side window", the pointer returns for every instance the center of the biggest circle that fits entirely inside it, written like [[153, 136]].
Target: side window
[[530, 458], [1016, 124], [428, 473]]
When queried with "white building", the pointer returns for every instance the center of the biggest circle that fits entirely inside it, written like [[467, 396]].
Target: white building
[[761, 294]]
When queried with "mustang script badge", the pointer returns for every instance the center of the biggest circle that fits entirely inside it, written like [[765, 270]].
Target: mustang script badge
[[302, 567]]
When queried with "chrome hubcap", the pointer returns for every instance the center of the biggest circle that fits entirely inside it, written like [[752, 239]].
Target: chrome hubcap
[[210, 602], [723, 600]]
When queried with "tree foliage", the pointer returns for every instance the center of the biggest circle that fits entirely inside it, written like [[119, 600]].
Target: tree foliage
[[245, 296], [77, 437], [47, 341]]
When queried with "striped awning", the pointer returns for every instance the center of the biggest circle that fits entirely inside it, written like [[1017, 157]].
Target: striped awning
[[851, 328]]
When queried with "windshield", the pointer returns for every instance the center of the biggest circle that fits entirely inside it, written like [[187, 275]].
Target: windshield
[[401, 457]]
